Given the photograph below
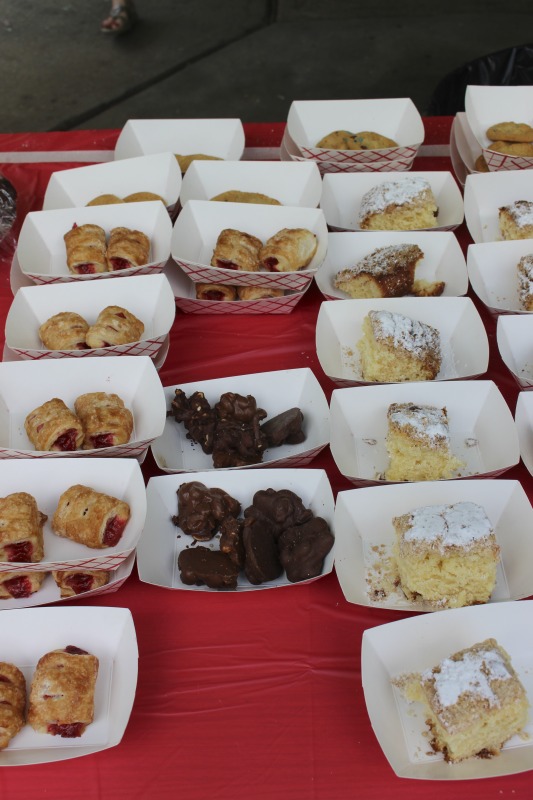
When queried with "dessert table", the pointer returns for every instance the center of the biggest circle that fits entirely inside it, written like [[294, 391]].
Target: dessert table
[[255, 694]]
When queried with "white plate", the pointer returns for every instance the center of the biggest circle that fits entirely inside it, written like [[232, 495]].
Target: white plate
[[364, 536], [162, 541], [419, 643], [107, 633]]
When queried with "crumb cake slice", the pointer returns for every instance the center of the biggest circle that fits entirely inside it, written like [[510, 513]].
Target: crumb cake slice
[[385, 272], [525, 282], [418, 443], [446, 554], [516, 220], [397, 348], [404, 205], [474, 701]]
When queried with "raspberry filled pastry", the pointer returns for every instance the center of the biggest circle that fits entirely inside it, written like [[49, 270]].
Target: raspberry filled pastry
[[19, 585], [89, 517], [62, 692], [86, 249], [114, 325], [12, 702], [236, 250], [53, 426], [72, 582], [64, 331], [105, 420], [215, 291], [127, 248], [289, 250], [21, 528]]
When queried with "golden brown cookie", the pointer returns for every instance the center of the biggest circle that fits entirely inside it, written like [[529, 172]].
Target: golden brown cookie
[[480, 164], [372, 141], [513, 148], [143, 197], [185, 161], [510, 132], [338, 140], [236, 196], [105, 200]]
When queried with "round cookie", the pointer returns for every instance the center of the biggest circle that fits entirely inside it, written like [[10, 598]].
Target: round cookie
[[513, 148], [338, 140], [369, 140], [105, 200], [480, 164], [510, 132], [237, 196], [143, 197]]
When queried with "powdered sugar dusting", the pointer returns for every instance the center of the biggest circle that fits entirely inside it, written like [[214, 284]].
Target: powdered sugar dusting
[[425, 421], [409, 334], [521, 212], [386, 260], [525, 277], [458, 524], [471, 674], [389, 193]]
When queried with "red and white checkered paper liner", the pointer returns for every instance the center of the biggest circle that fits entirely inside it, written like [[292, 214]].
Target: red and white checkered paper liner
[[364, 159], [98, 561], [200, 273], [266, 305], [130, 450], [502, 161], [145, 347], [147, 269]]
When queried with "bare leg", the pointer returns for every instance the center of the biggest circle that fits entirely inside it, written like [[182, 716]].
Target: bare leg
[[121, 18]]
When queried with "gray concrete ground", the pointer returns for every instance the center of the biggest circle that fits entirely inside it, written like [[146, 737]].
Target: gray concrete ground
[[239, 58]]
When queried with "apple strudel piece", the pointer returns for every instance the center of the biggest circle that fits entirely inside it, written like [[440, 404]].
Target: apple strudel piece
[[236, 250], [19, 585], [91, 518], [53, 426], [289, 250], [72, 582], [86, 249], [114, 325], [12, 702], [62, 692], [127, 248], [105, 420], [21, 528], [64, 331]]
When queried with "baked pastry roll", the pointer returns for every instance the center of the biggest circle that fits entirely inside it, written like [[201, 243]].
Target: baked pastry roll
[[64, 331], [236, 250], [21, 528], [53, 426], [12, 702], [62, 692], [89, 517], [105, 420], [258, 292], [18, 585], [127, 248], [215, 291], [114, 325], [72, 582], [289, 250], [86, 249]]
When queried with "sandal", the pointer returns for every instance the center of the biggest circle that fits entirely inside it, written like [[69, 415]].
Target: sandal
[[120, 19]]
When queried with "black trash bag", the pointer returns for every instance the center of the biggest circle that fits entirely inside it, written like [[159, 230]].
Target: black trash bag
[[511, 67], [8, 207]]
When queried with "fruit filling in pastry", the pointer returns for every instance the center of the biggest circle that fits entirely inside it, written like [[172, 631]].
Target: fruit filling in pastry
[[12, 702], [114, 325], [21, 528], [89, 517], [215, 291], [86, 249], [16, 585], [289, 250], [236, 250], [64, 331], [62, 692], [53, 426], [127, 248], [105, 419], [72, 582]]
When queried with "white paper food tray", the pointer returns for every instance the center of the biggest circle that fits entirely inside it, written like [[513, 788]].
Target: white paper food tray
[[149, 297], [41, 248], [310, 120], [486, 193], [289, 151], [365, 535], [463, 339], [157, 559], [524, 426], [274, 392], [514, 334], [107, 633], [223, 138], [159, 173], [467, 144], [422, 642], [342, 195], [198, 226], [121, 478], [25, 385], [50, 592], [185, 296], [482, 430], [459, 167], [443, 258], [488, 105], [492, 269], [290, 184]]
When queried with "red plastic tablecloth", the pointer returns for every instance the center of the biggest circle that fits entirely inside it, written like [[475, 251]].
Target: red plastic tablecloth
[[240, 695]]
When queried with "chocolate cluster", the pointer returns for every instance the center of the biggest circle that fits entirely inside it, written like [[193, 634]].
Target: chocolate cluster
[[277, 533], [232, 431]]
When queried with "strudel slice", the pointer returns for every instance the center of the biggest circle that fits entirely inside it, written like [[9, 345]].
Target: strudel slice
[[64, 331], [89, 517], [114, 325], [86, 249], [72, 582], [62, 692], [53, 426], [18, 585], [289, 250], [21, 528], [12, 702], [236, 250], [105, 420], [127, 248], [215, 291]]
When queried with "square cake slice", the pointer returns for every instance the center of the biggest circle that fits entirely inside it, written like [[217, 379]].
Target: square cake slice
[[516, 220], [397, 348], [407, 204], [418, 444], [446, 554], [474, 701]]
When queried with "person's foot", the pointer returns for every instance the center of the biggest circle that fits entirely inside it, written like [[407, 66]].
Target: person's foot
[[121, 18]]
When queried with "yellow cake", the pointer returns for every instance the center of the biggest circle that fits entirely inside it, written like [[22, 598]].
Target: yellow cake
[[525, 282], [516, 220], [385, 272], [418, 444], [446, 554], [474, 701], [397, 348], [406, 204]]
